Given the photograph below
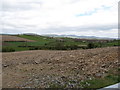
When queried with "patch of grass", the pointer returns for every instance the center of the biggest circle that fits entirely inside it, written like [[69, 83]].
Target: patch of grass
[[42, 39], [101, 82], [14, 48]]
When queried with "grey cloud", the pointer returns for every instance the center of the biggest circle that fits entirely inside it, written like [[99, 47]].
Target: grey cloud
[[102, 27], [5, 25], [81, 28], [55, 29], [74, 1], [24, 28], [14, 31], [19, 6], [18, 26]]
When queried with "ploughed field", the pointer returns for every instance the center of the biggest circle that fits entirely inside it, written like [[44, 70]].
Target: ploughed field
[[8, 38], [45, 68]]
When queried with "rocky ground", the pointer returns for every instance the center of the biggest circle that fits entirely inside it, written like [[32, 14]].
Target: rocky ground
[[45, 68]]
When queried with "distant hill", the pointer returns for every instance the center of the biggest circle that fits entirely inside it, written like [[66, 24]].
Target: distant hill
[[31, 34], [70, 36], [76, 36], [21, 34]]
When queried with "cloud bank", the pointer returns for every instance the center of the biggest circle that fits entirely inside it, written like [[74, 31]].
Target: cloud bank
[[79, 17]]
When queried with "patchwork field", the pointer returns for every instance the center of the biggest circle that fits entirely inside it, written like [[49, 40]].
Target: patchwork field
[[90, 68], [12, 43]]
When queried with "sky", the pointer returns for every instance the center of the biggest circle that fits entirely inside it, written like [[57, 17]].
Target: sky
[[70, 17]]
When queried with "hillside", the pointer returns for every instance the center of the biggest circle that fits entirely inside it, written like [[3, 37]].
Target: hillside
[[76, 36], [36, 42], [93, 68]]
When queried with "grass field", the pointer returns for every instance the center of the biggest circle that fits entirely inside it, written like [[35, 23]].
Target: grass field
[[55, 43]]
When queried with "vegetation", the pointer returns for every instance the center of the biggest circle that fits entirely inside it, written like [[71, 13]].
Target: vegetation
[[57, 43], [112, 77], [8, 49], [97, 83], [90, 45], [101, 82]]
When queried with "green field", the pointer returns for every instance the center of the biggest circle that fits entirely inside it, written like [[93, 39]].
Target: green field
[[54, 43]]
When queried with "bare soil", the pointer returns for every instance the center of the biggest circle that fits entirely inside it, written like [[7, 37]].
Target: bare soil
[[42, 68], [14, 38]]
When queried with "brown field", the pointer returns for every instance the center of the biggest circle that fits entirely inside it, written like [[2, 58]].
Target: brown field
[[43, 67], [14, 38]]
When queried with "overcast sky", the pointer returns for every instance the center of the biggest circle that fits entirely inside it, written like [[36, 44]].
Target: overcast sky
[[79, 17]]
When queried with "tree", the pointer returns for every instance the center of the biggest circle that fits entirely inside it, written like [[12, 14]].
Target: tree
[[91, 45]]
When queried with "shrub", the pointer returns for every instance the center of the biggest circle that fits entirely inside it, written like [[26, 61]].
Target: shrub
[[34, 48], [8, 49], [91, 45]]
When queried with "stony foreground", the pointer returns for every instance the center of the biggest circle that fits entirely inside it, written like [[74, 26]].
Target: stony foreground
[[44, 68]]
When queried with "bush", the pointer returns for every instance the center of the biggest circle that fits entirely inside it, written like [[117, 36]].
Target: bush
[[35, 48], [91, 45], [7, 49], [57, 46]]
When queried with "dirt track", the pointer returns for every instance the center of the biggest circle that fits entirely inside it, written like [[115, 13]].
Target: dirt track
[[42, 68]]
